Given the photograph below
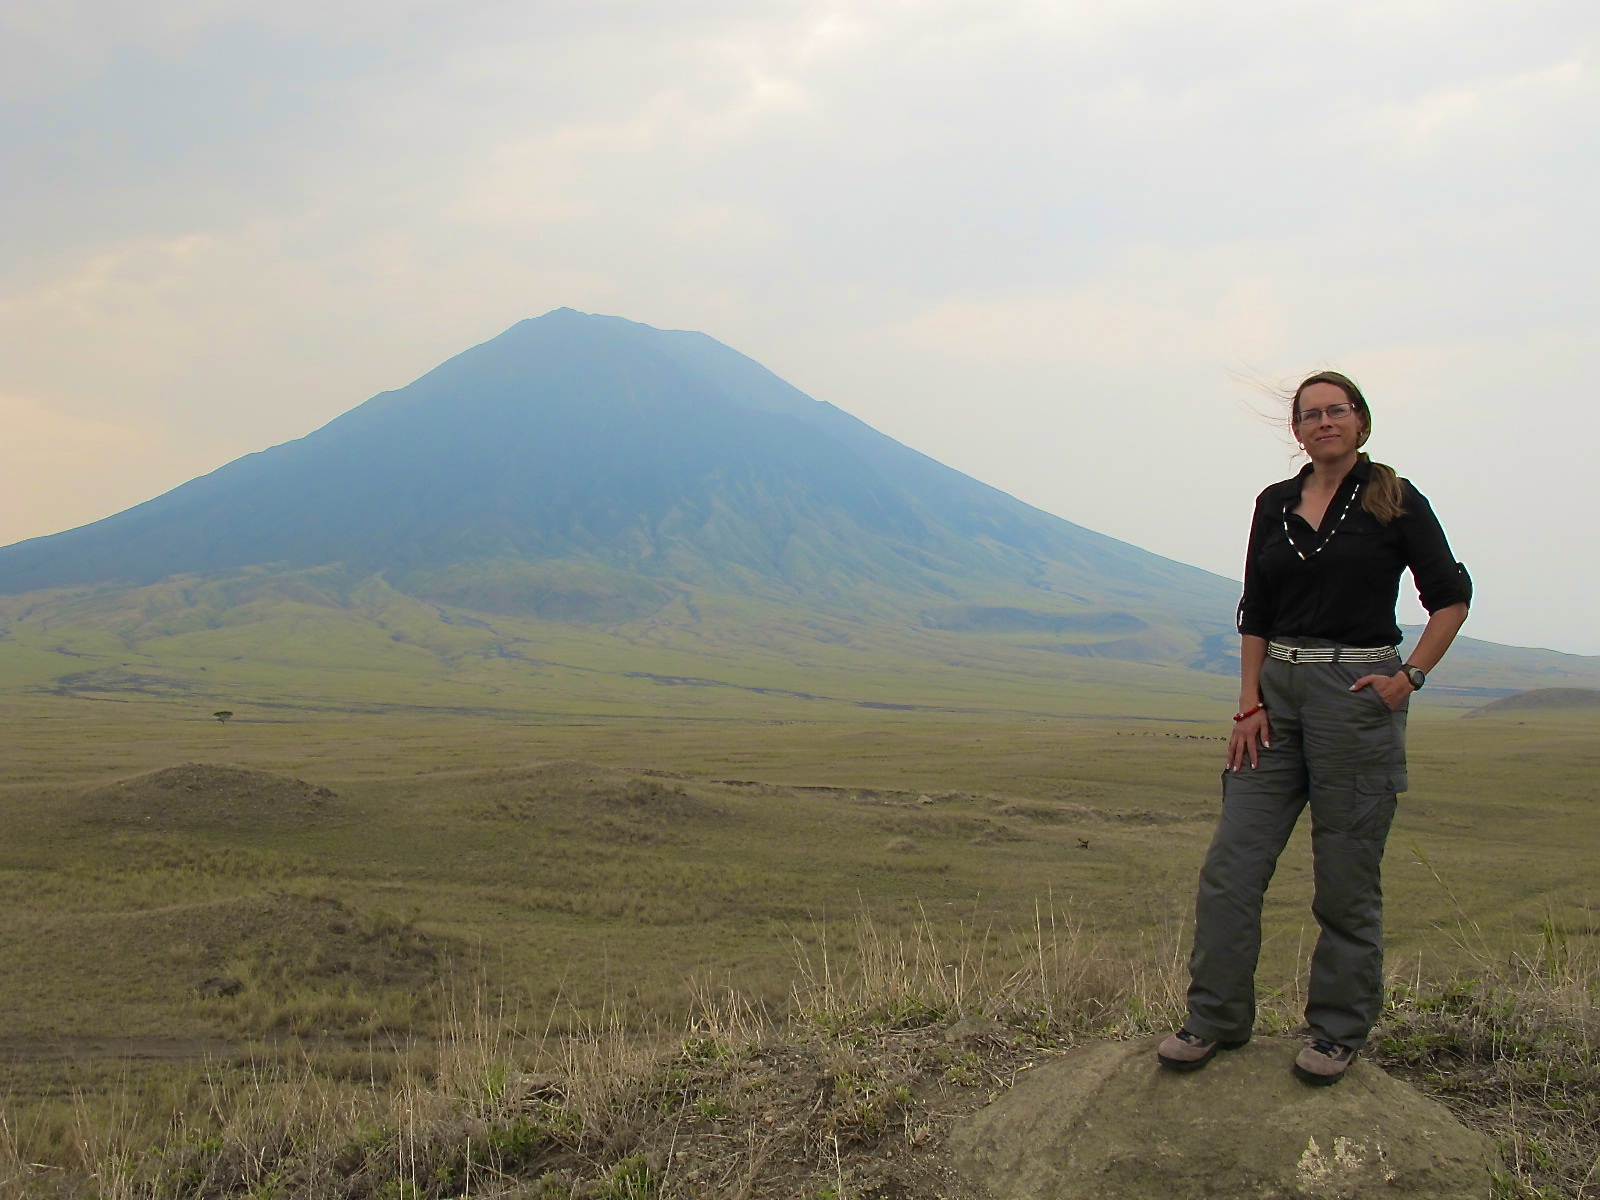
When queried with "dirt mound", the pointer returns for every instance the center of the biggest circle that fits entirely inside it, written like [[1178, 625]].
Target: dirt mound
[[277, 941], [283, 942], [209, 796], [1541, 702], [256, 963], [1106, 1121], [566, 790]]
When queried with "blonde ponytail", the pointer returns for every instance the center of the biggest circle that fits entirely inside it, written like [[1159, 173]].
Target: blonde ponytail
[[1382, 496]]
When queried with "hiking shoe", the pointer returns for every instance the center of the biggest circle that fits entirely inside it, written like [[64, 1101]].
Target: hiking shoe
[[1185, 1051], [1323, 1062]]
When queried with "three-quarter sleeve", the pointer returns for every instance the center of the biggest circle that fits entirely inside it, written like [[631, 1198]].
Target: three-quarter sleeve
[[1441, 581], [1255, 605]]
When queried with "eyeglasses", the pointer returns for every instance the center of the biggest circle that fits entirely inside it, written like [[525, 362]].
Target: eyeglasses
[[1334, 412]]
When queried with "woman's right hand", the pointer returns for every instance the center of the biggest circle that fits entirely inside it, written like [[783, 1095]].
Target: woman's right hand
[[1250, 736]]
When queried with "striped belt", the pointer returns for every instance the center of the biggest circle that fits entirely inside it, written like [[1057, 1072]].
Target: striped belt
[[1331, 654]]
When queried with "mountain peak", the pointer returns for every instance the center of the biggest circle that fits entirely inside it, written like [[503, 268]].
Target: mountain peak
[[658, 456]]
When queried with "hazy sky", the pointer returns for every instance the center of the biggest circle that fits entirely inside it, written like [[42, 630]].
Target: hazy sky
[[1056, 245]]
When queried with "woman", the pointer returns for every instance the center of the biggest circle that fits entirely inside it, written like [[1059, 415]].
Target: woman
[[1321, 720]]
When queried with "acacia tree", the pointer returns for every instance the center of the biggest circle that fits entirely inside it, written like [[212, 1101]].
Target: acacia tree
[[222, 716]]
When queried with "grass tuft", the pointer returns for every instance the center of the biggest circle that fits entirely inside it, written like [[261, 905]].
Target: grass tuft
[[1514, 1050]]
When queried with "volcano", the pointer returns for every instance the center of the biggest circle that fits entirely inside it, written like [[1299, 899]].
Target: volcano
[[652, 457], [591, 469]]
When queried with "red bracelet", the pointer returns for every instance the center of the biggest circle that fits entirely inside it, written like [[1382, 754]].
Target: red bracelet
[[1249, 712]]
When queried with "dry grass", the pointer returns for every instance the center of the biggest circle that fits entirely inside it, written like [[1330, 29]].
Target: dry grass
[[736, 1099], [1514, 1050], [1052, 978], [884, 1044]]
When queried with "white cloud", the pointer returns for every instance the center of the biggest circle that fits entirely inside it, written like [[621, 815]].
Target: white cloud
[[1523, 114]]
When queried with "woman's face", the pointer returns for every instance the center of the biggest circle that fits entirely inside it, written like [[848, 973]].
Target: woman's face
[[1325, 437]]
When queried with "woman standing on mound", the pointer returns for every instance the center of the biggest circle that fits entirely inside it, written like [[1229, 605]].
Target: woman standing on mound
[[1322, 718]]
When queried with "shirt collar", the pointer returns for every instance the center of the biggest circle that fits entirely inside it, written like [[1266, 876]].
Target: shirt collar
[[1359, 473]]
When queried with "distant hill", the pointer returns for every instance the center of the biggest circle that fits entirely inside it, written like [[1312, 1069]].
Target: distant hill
[[1543, 702], [584, 503]]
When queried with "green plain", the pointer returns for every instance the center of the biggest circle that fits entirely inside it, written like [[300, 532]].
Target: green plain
[[580, 863]]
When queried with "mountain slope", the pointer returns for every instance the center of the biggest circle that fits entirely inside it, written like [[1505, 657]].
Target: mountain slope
[[662, 455]]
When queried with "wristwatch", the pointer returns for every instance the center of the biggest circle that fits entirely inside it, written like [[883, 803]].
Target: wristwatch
[[1416, 674]]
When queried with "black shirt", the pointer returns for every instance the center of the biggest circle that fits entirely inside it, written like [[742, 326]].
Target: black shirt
[[1341, 582]]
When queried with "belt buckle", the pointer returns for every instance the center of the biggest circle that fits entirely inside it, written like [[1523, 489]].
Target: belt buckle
[[1294, 654]]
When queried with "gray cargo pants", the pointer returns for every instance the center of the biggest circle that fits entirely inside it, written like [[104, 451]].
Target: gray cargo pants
[[1344, 753]]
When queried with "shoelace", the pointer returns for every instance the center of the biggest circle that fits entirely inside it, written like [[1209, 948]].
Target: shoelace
[[1330, 1049]]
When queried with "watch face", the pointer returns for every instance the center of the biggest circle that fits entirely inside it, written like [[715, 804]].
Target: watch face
[[1416, 676]]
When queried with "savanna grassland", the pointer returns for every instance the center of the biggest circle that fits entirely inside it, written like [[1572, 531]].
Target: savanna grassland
[[462, 916]]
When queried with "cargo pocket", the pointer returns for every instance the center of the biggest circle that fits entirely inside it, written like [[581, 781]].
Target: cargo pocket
[[1375, 803]]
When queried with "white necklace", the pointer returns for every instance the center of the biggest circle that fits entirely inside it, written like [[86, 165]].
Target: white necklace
[[1343, 512]]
